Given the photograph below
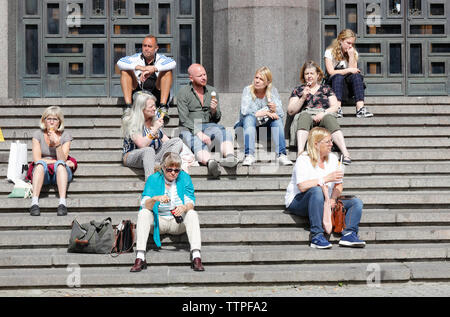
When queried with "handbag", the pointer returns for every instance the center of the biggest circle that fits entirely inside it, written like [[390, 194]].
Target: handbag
[[338, 216], [92, 237], [124, 238], [17, 161]]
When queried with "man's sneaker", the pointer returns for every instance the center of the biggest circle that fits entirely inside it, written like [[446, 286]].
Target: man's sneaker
[[340, 113], [249, 160], [319, 242], [163, 111], [350, 239], [229, 161], [284, 160], [364, 113], [213, 168]]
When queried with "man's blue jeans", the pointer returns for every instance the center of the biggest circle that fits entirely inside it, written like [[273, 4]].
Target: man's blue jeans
[[310, 204], [276, 129], [216, 132]]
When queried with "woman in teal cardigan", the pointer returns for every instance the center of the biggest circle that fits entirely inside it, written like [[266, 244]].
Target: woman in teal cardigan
[[167, 206]]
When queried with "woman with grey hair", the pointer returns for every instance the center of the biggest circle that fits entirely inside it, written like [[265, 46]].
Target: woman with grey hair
[[51, 161], [167, 206], [145, 143]]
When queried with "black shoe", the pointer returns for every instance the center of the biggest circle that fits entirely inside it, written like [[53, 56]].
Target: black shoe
[[213, 168], [35, 211], [163, 111], [62, 210]]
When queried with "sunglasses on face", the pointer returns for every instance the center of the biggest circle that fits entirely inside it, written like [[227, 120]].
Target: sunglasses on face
[[170, 170]]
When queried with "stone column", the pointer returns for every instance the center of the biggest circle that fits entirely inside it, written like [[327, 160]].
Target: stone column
[[4, 52], [248, 34]]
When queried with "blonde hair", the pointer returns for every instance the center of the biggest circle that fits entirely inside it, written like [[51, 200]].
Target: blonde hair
[[52, 111], [169, 159], [315, 136], [311, 64], [266, 74], [336, 49], [133, 119]]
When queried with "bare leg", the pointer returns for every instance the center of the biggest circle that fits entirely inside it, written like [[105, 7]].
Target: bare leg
[[164, 83], [203, 156], [338, 139], [227, 148], [359, 105], [128, 83], [61, 180], [38, 179], [302, 137]]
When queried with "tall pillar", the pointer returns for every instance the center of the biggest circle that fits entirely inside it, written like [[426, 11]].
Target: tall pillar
[[248, 34], [4, 51]]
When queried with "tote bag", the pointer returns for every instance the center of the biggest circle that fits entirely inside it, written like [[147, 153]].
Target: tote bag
[[17, 162]]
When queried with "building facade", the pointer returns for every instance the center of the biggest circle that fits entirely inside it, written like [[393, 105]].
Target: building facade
[[68, 48]]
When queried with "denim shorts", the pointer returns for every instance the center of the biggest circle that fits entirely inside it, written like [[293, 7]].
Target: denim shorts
[[51, 179]]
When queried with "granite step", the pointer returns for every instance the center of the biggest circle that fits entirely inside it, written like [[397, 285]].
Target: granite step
[[24, 239], [229, 218], [229, 255]]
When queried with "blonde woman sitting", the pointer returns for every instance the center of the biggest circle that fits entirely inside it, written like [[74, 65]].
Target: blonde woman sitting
[[261, 107], [144, 141]]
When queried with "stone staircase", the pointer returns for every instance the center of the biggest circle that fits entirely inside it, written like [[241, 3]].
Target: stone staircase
[[400, 169]]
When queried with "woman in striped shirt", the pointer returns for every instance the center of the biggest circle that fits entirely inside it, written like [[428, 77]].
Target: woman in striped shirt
[[144, 141]]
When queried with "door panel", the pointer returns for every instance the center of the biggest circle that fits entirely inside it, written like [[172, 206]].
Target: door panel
[[404, 45], [70, 47]]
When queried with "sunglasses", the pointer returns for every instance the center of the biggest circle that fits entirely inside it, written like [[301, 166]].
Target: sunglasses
[[170, 170]]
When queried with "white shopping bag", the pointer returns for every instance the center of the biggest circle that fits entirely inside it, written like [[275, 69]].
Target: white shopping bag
[[17, 162]]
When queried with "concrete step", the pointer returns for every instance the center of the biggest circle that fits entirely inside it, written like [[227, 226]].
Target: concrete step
[[375, 132], [234, 274], [229, 255], [352, 143], [220, 236], [115, 170], [229, 218], [259, 199], [367, 155], [68, 123], [367, 133], [134, 185]]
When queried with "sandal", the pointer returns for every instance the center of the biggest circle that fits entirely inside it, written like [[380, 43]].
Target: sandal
[[347, 160]]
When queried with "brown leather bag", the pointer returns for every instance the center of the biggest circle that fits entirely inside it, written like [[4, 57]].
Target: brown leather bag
[[338, 217]]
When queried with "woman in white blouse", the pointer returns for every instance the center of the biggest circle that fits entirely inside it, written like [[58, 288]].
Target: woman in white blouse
[[315, 184], [261, 107]]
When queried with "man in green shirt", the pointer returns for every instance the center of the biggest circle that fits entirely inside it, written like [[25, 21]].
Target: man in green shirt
[[199, 114]]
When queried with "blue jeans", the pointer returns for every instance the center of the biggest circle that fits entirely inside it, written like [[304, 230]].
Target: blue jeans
[[51, 180], [216, 132], [310, 204], [276, 129]]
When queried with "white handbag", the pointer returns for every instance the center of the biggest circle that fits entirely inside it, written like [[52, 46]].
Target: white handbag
[[17, 162]]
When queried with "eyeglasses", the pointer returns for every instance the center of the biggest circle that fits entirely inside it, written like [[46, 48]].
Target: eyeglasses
[[52, 119], [170, 170], [327, 142]]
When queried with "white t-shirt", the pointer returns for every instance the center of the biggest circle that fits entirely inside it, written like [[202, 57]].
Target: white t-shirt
[[342, 64], [304, 171]]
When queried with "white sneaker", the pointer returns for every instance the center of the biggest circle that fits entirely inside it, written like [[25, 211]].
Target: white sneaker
[[248, 160], [284, 160]]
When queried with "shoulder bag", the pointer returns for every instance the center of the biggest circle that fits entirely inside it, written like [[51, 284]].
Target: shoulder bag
[[92, 237]]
